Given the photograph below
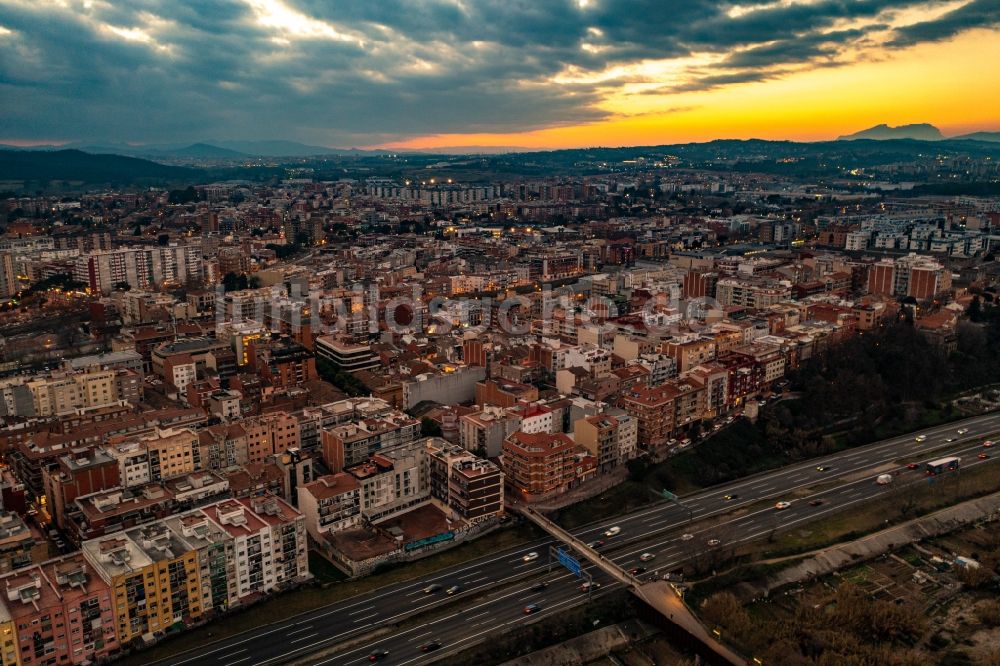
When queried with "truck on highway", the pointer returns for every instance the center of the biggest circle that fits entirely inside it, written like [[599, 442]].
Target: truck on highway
[[883, 479], [942, 465]]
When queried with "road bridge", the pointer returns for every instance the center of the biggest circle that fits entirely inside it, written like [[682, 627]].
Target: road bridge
[[662, 598]]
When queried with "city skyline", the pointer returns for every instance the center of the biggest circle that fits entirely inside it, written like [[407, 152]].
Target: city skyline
[[548, 75]]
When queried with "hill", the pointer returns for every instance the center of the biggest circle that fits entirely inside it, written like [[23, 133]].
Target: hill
[[204, 150], [279, 148], [919, 131], [978, 136], [76, 165]]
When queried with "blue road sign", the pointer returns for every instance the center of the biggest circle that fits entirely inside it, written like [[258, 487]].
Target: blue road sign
[[569, 562]]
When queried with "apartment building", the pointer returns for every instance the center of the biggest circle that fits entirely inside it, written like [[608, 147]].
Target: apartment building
[[352, 443], [690, 351], [17, 543], [599, 435], [662, 412], [471, 487], [270, 542], [756, 293], [140, 267], [542, 463], [183, 566], [57, 612], [330, 503], [155, 580], [171, 452], [485, 430], [61, 392]]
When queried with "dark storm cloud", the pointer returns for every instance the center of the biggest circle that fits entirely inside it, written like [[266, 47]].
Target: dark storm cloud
[[184, 70], [976, 14]]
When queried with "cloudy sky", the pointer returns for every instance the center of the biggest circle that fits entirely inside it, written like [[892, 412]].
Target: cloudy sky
[[423, 73]]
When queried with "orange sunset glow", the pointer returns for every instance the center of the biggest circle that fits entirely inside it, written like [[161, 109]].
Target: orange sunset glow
[[938, 83]]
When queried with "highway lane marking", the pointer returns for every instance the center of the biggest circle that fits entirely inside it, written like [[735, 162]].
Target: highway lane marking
[[476, 580], [416, 638], [366, 617], [304, 638], [231, 654], [230, 663], [362, 610], [473, 617], [299, 631], [311, 645], [472, 573]]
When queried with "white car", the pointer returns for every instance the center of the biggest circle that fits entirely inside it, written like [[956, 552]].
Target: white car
[[919, 438], [646, 557], [612, 531], [713, 542], [686, 537], [781, 506], [962, 431], [530, 557]]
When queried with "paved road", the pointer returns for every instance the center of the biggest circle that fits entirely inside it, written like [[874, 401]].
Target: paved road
[[656, 529]]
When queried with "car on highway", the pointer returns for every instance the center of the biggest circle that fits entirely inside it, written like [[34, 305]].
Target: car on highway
[[781, 506], [454, 589], [539, 587], [586, 587], [983, 456], [713, 542], [430, 646], [729, 498], [686, 537], [532, 608], [913, 466], [646, 557], [612, 531], [822, 468], [530, 557], [816, 502], [949, 440], [987, 444], [962, 431], [596, 544], [635, 571], [432, 588], [378, 654], [919, 438]]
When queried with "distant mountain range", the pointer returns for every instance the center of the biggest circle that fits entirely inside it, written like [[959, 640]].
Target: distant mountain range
[[205, 149], [918, 132], [78, 166]]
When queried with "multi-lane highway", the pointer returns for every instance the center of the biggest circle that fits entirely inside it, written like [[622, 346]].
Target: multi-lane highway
[[846, 478]]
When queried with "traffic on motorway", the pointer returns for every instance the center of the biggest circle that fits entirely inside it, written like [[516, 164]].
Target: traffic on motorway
[[653, 541]]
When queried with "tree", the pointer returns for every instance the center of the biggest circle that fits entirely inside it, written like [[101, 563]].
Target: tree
[[123, 286], [975, 310], [234, 282], [185, 196], [429, 427], [163, 240]]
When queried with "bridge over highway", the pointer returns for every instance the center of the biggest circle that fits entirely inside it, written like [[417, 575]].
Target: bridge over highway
[[659, 596]]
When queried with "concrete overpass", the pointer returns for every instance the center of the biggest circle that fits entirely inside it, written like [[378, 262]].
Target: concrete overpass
[[660, 597]]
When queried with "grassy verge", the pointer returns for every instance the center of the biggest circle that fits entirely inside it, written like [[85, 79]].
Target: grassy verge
[[332, 590]]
